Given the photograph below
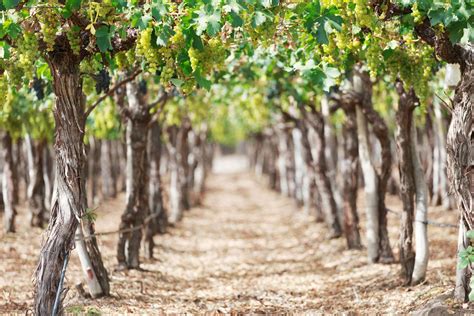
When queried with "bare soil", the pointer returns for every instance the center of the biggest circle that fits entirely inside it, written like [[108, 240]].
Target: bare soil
[[247, 249]]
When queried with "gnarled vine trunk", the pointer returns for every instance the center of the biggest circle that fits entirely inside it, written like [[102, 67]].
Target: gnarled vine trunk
[[201, 168], [421, 215], [94, 169], [350, 174], [375, 181], [109, 185], [404, 117], [440, 181], [8, 184], [315, 132], [69, 200], [36, 191], [176, 201], [137, 207], [183, 147], [158, 224], [460, 164]]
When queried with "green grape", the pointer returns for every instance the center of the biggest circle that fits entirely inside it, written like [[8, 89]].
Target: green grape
[[121, 60], [211, 57], [90, 66], [178, 40], [373, 55], [362, 13], [188, 86], [416, 14], [144, 49], [49, 23], [167, 71], [130, 57], [194, 57], [14, 75], [74, 37], [88, 85], [28, 54]]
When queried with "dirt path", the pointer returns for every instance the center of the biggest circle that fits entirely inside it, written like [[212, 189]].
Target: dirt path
[[246, 249]]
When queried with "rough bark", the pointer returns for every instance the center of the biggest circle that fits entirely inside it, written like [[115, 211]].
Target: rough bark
[[370, 188], [350, 174], [440, 190], [421, 215], [94, 169], [281, 160], [158, 224], [48, 175], [404, 117], [137, 207], [109, 186], [200, 170], [380, 130], [270, 166], [300, 166], [460, 163], [184, 150], [8, 184], [36, 191], [18, 169], [176, 201], [310, 192], [316, 133], [331, 154], [69, 200]]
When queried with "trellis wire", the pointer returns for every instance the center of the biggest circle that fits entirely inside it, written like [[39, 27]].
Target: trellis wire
[[427, 222], [121, 231]]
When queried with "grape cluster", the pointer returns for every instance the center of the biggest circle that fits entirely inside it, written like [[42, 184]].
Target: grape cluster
[[49, 27], [167, 71], [145, 49], [14, 75], [188, 86], [90, 66], [74, 38], [121, 60], [416, 14], [102, 81], [177, 40], [373, 55], [28, 54], [413, 65], [212, 56], [363, 14]]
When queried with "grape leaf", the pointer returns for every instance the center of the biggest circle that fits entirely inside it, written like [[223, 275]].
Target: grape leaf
[[4, 50], [177, 82], [10, 4], [203, 82], [456, 31], [103, 37], [158, 9], [163, 34], [235, 19], [208, 20], [73, 5]]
